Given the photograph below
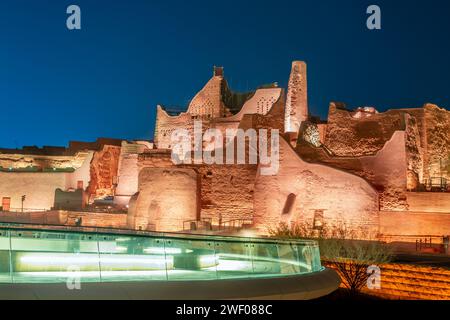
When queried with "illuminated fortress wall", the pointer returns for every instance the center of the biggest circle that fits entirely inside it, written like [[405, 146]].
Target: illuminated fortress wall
[[209, 107], [167, 197], [437, 146], [39, 188], [360, 133], [207, 104], [80, 174], [128, 170], [38, 172], [386, 170], [297, 98], [347, 168], [225, 192], [359, 167], [103, 172], [301, 189]]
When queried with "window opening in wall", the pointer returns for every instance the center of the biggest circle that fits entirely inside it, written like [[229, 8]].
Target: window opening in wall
[[289, 204], [318, 219]]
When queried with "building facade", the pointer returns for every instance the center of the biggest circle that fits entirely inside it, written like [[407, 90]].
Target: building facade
[[362, 168]]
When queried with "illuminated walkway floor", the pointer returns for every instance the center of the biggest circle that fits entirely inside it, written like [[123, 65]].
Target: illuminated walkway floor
[[224, 270]]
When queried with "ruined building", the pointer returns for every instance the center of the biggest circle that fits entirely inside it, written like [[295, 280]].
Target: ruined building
[[385, 173], [43, 174], [367, 169]]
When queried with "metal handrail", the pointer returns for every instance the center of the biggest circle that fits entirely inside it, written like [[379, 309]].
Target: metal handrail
[[232, 223], [58, 256], [145, 233]]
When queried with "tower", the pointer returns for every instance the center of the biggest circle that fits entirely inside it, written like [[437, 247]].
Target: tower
[[296, 110]]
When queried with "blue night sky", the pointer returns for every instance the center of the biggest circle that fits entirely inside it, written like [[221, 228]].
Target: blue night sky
[[105, 80]]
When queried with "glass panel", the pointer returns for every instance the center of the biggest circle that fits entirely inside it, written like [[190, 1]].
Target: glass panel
[[54, 257], [266, 260], [234, 259], [59, 256], [306, 258], [289, 258], [317, 266], [5, 261], [124, 258], [192, 259]]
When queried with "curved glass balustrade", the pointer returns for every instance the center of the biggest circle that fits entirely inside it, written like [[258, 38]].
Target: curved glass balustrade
[[38, 256]]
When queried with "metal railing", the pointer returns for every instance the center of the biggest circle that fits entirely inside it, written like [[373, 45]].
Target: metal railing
[[193, 225], [235, 224]]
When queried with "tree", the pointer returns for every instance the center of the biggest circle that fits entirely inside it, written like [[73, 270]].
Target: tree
[[352, 259], [341, 250]]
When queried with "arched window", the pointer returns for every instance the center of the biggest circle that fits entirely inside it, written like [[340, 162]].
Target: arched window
[[289, 204]]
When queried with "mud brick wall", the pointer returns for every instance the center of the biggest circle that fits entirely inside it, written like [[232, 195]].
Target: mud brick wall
[[104, 171], [349, 136], [437, 155], [343, 197], [419, 224], [227, 191], [94, 219]]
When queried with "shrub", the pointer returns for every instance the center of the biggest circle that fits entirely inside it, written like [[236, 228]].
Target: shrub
[[341, 250]]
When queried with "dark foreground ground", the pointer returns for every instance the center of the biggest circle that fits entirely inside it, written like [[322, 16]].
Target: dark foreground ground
[[417, 259], [344, 294]]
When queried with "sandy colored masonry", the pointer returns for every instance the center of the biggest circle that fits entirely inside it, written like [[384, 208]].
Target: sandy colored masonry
[[384, 172]]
